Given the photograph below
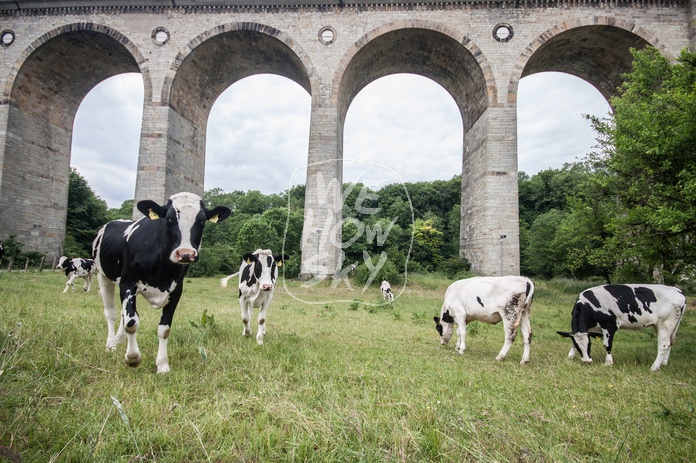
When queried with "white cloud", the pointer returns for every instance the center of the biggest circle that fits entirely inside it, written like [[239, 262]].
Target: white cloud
[[258, 131]]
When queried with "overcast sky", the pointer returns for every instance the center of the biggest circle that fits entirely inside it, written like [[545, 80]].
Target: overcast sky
[[258, 131]]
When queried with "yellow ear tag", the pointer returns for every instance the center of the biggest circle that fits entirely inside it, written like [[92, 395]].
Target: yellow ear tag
[[153, 215], [213, 219], [280, 263], [248, 261]]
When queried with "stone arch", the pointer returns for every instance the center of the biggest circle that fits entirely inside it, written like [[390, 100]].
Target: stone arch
[[199, 75], [595, 49], [43, 91], [454, 62]]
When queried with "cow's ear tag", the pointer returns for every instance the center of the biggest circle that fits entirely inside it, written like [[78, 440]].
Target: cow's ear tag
[[248, 261], [153, 215], [214, 218], [280, 263]]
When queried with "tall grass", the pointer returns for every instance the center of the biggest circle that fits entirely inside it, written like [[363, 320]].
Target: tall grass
[[332, 382]]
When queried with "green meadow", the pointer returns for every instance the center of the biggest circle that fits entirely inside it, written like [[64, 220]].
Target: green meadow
[[335, 381]]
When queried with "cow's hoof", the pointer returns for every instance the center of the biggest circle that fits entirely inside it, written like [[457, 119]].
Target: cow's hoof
[[524, 362], [499, 358], [110, 347], [259, 342], [133, 360], [162, 369]]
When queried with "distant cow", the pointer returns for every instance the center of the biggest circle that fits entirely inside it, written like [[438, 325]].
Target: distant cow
[[2, 251], [491, 300], [257, 279], [149, 256], [386, 291], [77, 268], [604, 309]]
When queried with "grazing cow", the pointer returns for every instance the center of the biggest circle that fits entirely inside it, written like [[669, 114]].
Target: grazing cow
[[149, 256], [491, 300], [257, 279], [77, 268], [386, 291], [602, 310]]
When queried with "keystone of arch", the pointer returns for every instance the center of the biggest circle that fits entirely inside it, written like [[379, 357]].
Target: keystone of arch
[[565, 26], [76, 27], [239, 26]]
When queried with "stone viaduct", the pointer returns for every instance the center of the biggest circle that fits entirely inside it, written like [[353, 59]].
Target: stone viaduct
[[52, 53]]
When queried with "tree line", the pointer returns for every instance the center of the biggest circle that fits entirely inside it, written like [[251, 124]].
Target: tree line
[[627, 213]]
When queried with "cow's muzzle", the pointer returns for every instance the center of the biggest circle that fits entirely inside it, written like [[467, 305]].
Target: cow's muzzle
[[267, 287], [186, 256]]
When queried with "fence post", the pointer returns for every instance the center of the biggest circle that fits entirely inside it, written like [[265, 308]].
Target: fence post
[[53, 267], [26, 264], [41, 264], [9, 266]]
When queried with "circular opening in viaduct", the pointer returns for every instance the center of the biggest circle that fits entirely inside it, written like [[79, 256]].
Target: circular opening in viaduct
[[160, 36], [503, 33], [327, 35], [7, 37]]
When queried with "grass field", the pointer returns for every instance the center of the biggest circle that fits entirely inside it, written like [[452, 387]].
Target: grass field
[[335, 381]]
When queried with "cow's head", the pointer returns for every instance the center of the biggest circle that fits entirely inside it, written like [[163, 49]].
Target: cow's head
[[581, 342], [265, 265], [183, 217], [444, 326], [62, 262]]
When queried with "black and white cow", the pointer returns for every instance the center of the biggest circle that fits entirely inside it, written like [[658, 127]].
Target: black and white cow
[[2, 251], [257, 279], [77, 268], [602, 310], [149, 256], [386, 291], [491, 300]]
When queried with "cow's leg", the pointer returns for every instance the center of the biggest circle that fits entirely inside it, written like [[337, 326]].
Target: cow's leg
[[461, 334], [526, 329], [664, 336], [163, 330], [608, 341], [262, 320], [88, 283], [130, 322], [510, 333], [70, 283], [107, 290], [581, 343], [247, 313], [571, 354]]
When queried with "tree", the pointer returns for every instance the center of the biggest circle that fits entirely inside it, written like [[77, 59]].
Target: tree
[[85, 215], [648, 149]]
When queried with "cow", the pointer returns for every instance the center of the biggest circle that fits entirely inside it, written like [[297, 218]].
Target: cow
[[2, 251], [602, 310], [77, 268], [386, 291], [491, 300], [257, 279], [149, 256]]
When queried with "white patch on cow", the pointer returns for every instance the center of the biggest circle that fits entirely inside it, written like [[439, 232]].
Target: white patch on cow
[[187, 207], [128, 232], [156, 298]]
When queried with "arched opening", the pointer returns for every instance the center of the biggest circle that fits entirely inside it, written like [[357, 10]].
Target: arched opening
[[257, 136], [106, 137], [551, 126], [48, 88], [408, 123]]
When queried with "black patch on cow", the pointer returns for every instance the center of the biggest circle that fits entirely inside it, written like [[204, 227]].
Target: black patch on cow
[[438, 326], [130, 323], [269, 259], [247, 276], [625, 300], [478, 299], [645, 296], [590, 296], [240, 293], [529, 289], [273, 270], [86, 264], [447, 318]]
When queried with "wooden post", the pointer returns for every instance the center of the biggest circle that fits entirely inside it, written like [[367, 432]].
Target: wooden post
[[9, 266], [26, 264], [41, 264]]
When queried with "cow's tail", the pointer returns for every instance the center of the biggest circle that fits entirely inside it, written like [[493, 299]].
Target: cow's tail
[[530, 296], [223, 281]]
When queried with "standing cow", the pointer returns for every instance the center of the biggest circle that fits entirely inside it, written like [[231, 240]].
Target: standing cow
[[150, 256], [602, 310], [77, 268], [257, 279], [386, 291], [491, 300]]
